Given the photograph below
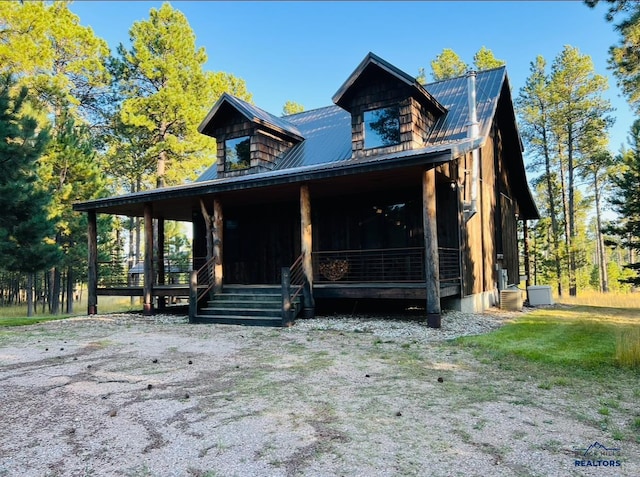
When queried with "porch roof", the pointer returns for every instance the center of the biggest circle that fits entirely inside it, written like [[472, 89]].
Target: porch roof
[[177, 202]]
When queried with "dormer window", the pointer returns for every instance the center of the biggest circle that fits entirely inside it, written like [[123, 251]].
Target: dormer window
[[382, 127], [237, 153]]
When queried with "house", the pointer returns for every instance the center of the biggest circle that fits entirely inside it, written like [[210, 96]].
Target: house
[[396, 191]]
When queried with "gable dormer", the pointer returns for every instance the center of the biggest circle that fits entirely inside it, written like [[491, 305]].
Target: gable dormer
[[390, 110], [249, 140]]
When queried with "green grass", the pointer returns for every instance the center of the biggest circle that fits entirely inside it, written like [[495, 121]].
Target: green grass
[[570, 337], [23, 321], [16, 315]]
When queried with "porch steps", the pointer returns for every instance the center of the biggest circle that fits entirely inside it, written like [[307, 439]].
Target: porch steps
[[250, 305]]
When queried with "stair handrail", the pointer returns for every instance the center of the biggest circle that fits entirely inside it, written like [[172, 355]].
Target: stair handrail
[[293, 280], [205, 279]]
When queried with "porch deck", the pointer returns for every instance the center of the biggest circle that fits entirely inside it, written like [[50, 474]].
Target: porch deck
[[320, 290]]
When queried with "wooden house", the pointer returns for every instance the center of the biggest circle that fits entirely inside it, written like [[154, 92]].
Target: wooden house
[[396, 191]]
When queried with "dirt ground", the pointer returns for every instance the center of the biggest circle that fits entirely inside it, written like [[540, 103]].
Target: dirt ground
[[120, 396]]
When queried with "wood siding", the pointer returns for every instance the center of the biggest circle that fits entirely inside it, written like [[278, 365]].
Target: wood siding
[[489, 239], [379, 90], [265, 146]]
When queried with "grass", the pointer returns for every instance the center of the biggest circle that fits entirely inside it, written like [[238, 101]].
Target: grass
[[16, 315], [595, 298], [570, 338], [628, 347]]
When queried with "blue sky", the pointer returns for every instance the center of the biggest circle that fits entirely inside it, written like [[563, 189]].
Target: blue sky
[[304, 51]]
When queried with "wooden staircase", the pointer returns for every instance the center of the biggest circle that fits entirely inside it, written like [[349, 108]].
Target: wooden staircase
[[250, 305]]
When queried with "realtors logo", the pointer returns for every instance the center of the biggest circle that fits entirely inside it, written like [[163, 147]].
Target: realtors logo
[[597, 455]]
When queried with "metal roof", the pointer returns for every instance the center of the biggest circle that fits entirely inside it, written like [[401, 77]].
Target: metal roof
[[327, 131], [252, 113], [452, 94]]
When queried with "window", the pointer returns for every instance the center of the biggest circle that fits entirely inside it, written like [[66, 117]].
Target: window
[[382, 127], [237, 153]]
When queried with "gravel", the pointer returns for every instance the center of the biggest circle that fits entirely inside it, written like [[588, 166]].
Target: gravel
[[128, 395]]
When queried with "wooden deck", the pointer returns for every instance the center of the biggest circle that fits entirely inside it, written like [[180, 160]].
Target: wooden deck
[[158, 290]]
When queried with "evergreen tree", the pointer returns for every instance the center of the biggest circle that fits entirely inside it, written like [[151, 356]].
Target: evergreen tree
[[167, 93], [484, 59], [291, 107], [624, 59], [61, 62], [25, 230], [534, 107], [447, 65], [626, 201], [70, 173], [578, 110]]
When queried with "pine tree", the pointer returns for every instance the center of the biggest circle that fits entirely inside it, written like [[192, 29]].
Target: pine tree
[[448, 65], [25, 231], [626, 201], [167, 93], [484, 59]]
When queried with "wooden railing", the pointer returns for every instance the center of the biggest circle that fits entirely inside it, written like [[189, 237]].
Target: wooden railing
[[293, 281], [200, 283]]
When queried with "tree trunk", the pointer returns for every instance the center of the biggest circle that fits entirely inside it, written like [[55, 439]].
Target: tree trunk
[[30, 294], [70, 286], [573, 288], [209, 229], [555, 229], [565, 212], [602, 256], [54, 291], [44, 292]]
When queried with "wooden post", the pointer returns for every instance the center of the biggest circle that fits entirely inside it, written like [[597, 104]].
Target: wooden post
[[218, 226], [193, 296], [148, 260], [527, 265], [285, 279], [308, 305], [161, 268], [431, 256], [92, 234]]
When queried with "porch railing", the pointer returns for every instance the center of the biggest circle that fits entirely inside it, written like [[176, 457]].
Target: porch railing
[[382, 265], [117, 273], [292, 286]]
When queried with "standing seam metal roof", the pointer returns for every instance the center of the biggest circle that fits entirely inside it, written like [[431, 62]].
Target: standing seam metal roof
[[327, 131]]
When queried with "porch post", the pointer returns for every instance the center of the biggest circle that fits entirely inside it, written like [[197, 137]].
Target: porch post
[[308, 306], [148, 260], [92, 234], [218, 226], [431, 256], [161, 268], [527, 265]]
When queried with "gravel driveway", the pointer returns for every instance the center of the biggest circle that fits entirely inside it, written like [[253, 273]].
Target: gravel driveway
[[123, 395]]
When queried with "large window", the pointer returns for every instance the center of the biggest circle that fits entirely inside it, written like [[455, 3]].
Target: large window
[[237, 153], [382, 127]]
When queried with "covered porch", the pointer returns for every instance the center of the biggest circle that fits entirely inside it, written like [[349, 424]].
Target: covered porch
[[374, 235]]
